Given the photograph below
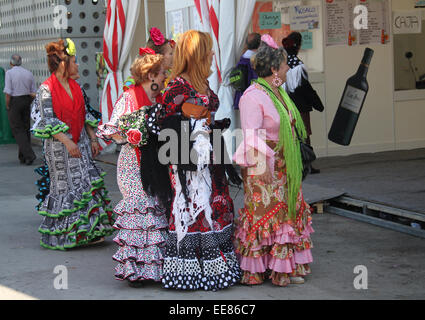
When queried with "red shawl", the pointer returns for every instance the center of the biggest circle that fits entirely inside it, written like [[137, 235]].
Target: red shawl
[[141, 98], [71, 111]]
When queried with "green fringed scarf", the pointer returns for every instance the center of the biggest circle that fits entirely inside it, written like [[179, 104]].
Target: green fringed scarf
[[289, 143]]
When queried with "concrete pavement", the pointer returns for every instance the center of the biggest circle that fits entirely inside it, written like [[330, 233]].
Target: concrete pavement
[[394, 261]]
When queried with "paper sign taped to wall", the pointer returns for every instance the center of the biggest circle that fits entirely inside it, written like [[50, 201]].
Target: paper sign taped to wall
[[307, 42], [270, 20], [304, 17], [407, 22]]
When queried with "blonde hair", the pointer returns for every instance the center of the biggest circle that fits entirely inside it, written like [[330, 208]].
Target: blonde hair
[[144, 65], [191, 58]]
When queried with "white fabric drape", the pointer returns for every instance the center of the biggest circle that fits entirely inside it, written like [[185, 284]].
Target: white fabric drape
[[118, 35], [244, 12]]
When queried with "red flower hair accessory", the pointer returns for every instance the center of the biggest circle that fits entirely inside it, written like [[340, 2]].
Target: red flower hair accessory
[[172, 43], [144, 51], [157, 36]]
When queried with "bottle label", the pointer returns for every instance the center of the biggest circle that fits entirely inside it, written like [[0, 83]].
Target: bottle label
[[353, 99]]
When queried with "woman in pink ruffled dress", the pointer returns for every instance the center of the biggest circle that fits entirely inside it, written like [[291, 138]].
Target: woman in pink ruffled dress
[[273, 230]]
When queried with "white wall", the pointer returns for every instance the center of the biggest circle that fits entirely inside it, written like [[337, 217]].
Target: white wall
[[384, 124]]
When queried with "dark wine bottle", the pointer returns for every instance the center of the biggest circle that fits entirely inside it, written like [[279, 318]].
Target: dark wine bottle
[[351, 103]]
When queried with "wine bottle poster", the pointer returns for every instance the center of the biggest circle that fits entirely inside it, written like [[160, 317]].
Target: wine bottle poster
[[353, 99]]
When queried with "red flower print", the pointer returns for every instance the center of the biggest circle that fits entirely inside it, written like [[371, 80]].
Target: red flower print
[[134, 136], [256, 197]]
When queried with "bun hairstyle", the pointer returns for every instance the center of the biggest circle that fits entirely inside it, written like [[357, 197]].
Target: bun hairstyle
[[267, 58], [292, 43], [55, 55]]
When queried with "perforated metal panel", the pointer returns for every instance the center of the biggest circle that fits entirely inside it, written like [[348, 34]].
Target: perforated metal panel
[[27, 26]]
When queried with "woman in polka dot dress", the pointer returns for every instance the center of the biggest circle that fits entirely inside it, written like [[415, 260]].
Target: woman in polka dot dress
[[199, 252], [142, 221]]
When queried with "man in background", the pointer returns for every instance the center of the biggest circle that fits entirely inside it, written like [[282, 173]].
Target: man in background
[[20, 91], [253, 42]]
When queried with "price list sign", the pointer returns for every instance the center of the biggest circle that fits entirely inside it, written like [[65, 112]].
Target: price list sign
[[337, 22]]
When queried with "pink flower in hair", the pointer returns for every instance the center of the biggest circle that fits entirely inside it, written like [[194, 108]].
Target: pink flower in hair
[[157, 36], [269, 40]]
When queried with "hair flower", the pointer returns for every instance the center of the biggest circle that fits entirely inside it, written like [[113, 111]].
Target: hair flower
[[70, 47], [157, 36], [269, 41], [172, 43], [144, 51]]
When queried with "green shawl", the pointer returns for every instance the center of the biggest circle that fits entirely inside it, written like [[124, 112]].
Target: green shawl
[[289, 143]]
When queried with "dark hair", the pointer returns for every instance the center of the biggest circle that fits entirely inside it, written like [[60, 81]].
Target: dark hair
[[158, 49], [16, 60], [267, 58], [253, 41], [292, 43]]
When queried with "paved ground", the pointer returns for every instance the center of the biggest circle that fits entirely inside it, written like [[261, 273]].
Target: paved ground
[[394, 261]]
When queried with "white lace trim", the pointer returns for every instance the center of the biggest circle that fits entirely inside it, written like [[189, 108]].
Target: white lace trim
[[198, 183], [294, 77]]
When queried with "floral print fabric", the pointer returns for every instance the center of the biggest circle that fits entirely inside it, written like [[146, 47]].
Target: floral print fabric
[[267, 243]]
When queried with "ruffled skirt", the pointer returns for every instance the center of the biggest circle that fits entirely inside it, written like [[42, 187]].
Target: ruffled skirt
[[205, 258], [75, 210], [142, 225], [268, 243]]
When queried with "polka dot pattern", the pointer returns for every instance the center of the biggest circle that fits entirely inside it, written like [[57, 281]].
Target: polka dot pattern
[[203, 261]]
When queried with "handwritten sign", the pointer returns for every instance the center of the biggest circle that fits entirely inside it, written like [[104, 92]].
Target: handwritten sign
[[270, 20], [304, 17], [407, 22], [307, 42]]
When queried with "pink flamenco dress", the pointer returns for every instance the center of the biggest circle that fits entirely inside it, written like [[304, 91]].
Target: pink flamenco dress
[[269, 244]]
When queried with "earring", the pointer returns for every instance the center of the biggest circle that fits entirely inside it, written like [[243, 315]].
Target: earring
[[154, 86], [277, 82]]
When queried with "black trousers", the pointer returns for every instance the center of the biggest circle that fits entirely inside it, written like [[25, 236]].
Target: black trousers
[[19, 118]]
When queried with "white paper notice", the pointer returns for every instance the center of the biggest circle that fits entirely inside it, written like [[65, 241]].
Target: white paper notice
[[177, 21], [283, 6], [407, 22], [377, 22], [337, 22], [304, 17]]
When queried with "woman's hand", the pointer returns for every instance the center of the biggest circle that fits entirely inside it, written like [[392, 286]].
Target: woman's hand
[[118, 139], [73, 149], [95, 148]]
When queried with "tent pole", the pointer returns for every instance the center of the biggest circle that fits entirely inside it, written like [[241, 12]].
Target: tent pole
[[146, 19]]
